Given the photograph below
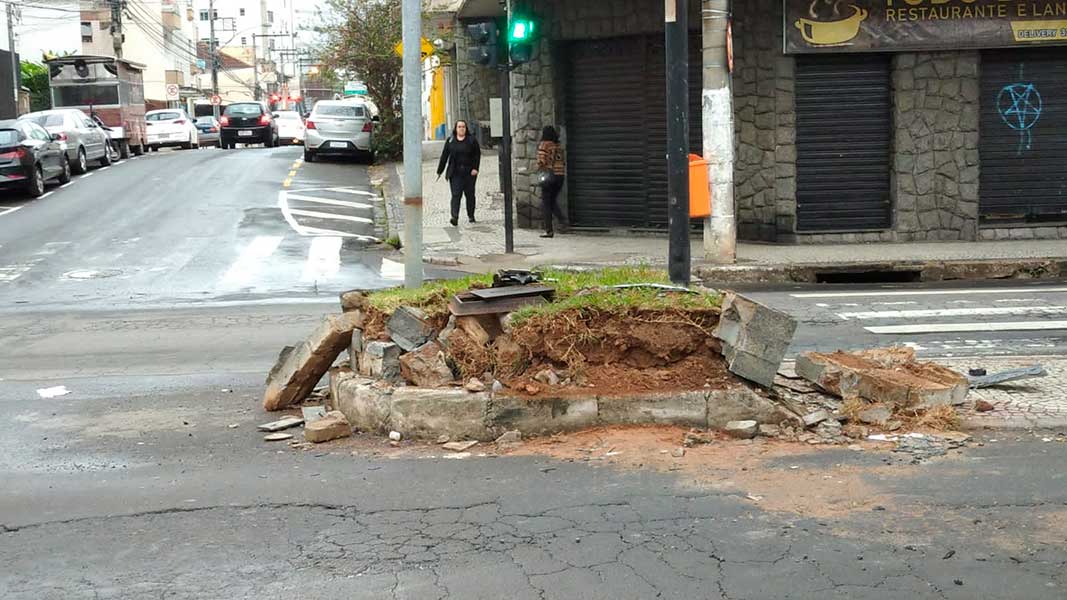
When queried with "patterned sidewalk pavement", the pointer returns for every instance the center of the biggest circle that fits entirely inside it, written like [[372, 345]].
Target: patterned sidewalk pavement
[[1030, 403]]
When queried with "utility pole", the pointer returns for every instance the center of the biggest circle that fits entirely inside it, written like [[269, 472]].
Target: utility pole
[[677, 43], [116, 26], [255, 69], [412, 42], [720, 229], [15, 70], [505, 140], [214, 55]]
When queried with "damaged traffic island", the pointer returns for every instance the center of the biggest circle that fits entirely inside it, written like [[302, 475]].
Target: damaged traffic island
[[479, 357]]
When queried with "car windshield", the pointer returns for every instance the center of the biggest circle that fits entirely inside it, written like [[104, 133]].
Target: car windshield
[[244, 110], [163, 116], [52, 120], [288, 115], [8, 137], [339, 110]]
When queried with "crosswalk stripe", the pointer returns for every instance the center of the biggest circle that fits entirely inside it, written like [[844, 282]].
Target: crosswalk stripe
[[966, 292], [6, 210], [251, 259], [330, 201], [352, 191], [955, 312], [324, 259], [960, 327], [315, 231], [324, 215]]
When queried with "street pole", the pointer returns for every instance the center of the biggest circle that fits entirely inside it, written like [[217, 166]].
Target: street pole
[[255, 69], [214, 55], [677, 43], [412, 41], [720, 229], [14, 61], [116, 26], [506, 181]]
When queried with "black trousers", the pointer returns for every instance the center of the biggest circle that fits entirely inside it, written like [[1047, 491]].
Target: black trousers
[[550, 203], [462, 183]]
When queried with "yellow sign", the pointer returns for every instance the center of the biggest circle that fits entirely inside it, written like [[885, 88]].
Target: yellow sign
[[827, 33], [1039, 31], [428, 49]]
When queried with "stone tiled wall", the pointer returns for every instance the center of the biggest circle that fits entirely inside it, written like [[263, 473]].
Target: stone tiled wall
[[476, 83]]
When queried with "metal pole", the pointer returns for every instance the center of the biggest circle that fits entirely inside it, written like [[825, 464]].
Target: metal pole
[[14, 60], [116, 26], [255, 70], [214, 55], [720, 230], [412, 40], [677, 42], [505, 158]]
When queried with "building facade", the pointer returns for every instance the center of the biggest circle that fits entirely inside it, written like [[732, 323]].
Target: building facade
[[854, 121]]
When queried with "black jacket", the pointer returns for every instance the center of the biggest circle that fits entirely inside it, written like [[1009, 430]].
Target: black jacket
[[465, 156]]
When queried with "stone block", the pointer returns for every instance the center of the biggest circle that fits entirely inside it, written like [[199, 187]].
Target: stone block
[[354, 300], [426, 367], [355, 349], [430, 413], [887, 376], [298, 371], [331, 427], [541, 415], [754, 337], [365, 403], [744, 430], [681, 408], [408, 327], [337, 376], [481, 329], [741, 404], [380, 360]]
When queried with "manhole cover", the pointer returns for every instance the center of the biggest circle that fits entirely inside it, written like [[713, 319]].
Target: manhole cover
[[90, 274]]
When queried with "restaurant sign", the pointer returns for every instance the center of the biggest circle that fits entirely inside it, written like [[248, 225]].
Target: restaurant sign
[[900, 25]]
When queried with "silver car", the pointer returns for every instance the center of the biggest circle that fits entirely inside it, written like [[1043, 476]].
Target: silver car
[[80, 137], [339, 127]]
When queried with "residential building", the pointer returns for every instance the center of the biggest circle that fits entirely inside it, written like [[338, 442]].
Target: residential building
[[854, 121], [159, 34], [236, 78]]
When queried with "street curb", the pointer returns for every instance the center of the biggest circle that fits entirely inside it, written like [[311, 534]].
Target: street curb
[[386, 181], [428, 413], [920, 271]]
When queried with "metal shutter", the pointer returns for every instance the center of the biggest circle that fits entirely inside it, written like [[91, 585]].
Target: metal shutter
[[844, 133], [617, 130], [1023, 135]]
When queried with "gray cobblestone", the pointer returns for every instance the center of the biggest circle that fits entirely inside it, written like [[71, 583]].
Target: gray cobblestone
[[1040, 402]]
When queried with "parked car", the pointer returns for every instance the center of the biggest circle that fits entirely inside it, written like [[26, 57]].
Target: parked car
[[82, 138], [29, 156], [171, 127], [248, 123], [209, 130], [339, 127], [290, 127]]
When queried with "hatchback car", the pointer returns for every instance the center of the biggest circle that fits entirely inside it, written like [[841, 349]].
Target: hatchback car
[[341, 128], [248, 123], [171, 127], [290, 127], [81, 138], [29, 156], [209, 130]]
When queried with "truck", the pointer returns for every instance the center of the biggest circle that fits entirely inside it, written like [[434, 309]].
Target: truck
[[108, 89]]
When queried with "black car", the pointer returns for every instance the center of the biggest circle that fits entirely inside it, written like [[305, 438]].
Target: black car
[[248, 123], [29, 156]]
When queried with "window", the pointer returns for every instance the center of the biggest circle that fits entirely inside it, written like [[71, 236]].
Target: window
[[49, 120], [339, 110], [9, 137], [203, 15], [270, 43], [244, 109], [163, 116], [244, 41], [87, 31], [270, 16], [86, 95], [241, 12]]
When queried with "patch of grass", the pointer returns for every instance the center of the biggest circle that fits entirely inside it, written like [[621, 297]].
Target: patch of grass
[[394, 241], [432, 297]]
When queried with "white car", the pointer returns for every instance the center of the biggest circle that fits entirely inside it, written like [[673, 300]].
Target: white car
[[171, 127], [290, 127], [340, 127]]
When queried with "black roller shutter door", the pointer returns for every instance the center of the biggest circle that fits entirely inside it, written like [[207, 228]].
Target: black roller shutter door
[[1023, 135], [617, 130], [843, 139]]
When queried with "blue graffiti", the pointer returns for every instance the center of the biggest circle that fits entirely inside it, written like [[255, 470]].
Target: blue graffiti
[[1020, 107]]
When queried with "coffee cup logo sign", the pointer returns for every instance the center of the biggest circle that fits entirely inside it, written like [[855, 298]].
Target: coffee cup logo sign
[[814, 26]]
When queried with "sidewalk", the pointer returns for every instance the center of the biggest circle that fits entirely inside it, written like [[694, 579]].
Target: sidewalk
[[480, 247]]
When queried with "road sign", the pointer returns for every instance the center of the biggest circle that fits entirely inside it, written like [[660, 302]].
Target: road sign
[[215, 100], [355, 87], [173, 91], [428, 49]]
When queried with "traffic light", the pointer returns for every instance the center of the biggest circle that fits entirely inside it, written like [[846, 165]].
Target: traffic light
[[522, 40], [486, 47]]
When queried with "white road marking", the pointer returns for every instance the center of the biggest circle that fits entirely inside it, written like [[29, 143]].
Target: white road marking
[[43, 196], [322, 215], [954, 292], [12, 272], [250, 260], [392, 270], [892, 303], [293, 196], [87, 175], [66, 185], [317, 231], [6, 210], [958, 327], [102, 169], [351, 191], [324, 259], [955, 312]]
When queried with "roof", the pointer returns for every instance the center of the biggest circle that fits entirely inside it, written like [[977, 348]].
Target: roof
[[93, 59], [441, 6], [227, 61], [479, 8]]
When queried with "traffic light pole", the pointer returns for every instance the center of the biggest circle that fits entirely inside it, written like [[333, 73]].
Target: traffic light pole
[[412, 41], [677, 43], [505, 159]]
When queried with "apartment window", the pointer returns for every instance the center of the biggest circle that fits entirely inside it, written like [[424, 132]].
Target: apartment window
[[270, 16], [203, 15], [244, 41], [241, 12], [87, 31], [270, 43]]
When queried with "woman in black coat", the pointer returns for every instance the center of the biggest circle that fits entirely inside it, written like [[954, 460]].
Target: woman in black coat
[[461, 158]]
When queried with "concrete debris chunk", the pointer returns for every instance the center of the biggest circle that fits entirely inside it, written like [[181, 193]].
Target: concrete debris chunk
[[814, 418], [981, 381], [355, 349], [768, 430], [984, 406], [459, 446], [281, 424], [754, 338], [277, 437], [695, 437], [380, 360], [510, 437], [482, 329], [744, 430], [395, 436], [445, 337], [409, 328], [313, 413], [474, 385], [444, 438], [354, 300], [888, 376], [547, 377], [678, 452], [875, 415], [299, 370], [426, 367], [332, 426]]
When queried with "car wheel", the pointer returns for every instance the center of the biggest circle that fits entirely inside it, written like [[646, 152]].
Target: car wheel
[[187, 146], [124, 150], [196, 141], [80, 164], [105, 160], [309, 156], [35, 187], [139, 150], [64, 177]]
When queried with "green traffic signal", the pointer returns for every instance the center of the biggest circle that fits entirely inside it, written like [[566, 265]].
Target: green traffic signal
[[521, 30]]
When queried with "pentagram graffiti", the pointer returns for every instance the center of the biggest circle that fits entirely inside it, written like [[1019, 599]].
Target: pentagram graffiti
[[1020, 107]]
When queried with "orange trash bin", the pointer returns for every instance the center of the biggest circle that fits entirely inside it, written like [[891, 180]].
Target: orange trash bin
[[699, 187]]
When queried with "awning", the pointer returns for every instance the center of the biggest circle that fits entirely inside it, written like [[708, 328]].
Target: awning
[[473, 9]]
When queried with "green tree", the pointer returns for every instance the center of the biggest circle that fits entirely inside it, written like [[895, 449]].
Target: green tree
[[35, 79], [359, 40]]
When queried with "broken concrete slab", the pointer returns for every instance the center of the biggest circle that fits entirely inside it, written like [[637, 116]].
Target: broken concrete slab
[[277, 437], [422, 412], [409, 328], [300, 370], [754, 338], [426, 367], [509, 438], [814, 418], [445, 337], [355, 349], [875, 415], [744, 430], [365, 404], [542, 415], [281, 424], [332, 426], [887, 375], [474, 385], [482, 329], [459, 446], [1010, 375], [381, 360], [741, 404], [683, 408], [354, 300], [313, 413]]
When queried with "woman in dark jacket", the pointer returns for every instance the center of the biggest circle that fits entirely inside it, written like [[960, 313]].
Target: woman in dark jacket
[[550, 164], [462, 156]]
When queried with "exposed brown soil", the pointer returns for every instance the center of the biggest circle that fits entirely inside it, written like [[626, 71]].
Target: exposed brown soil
[[897, 366], [694, 372]]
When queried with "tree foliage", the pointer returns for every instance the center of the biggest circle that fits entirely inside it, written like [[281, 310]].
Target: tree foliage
[[360, 37], [35, 78]]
